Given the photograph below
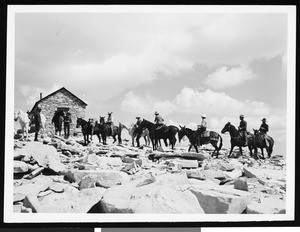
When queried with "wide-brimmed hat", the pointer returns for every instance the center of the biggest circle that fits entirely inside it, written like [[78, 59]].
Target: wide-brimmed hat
[[241, 116], [109, 112], [264, 119], [156, 113], [203, 116], [137, 117]]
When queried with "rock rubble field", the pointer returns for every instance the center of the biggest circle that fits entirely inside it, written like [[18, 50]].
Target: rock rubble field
[[55, 175]]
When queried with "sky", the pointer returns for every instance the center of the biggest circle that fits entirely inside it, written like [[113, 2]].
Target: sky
[[180, 64]]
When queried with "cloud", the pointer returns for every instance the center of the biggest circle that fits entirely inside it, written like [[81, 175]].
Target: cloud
[[126, 50], [32, 94], [225, 77], [193, 102], [133, 103]]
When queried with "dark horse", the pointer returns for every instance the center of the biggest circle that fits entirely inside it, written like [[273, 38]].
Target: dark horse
[[58, 119], [237, 140], [165, 132], [193, 137], [260, 142], [87, 129], [106, 130]]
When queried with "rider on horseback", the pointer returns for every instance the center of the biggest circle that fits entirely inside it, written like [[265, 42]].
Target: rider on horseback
[[158, 120], [264, 128], [110, 122], [243, 129], [201, 128]]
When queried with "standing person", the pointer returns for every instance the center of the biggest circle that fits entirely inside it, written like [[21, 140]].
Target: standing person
[[264, 128], [158, 120], [243, 129], [110, 122], [37, 122], [137, 124], [67, 121]]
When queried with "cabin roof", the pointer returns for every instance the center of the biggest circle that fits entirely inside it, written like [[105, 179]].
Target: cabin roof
[[51, 94]]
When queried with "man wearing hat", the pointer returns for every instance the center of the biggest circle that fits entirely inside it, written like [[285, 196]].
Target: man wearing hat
[[243, 129], [137, 124], [110, 122], [37, 122], [264, 128], [67, 121], [201, 128], [158, 120]]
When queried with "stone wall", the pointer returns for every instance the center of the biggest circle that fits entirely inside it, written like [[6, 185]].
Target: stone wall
[[62, 99]]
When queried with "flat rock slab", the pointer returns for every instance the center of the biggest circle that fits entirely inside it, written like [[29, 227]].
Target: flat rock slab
[[185, 155], [20, 167], [271, 205], [70, 201], [216, 199], [164, 195], [109, 177]]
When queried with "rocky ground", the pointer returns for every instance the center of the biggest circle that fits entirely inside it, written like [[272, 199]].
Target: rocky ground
[[56, 175]]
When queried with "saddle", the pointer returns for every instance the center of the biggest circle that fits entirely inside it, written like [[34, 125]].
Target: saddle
[[205, 134], [161, 126]]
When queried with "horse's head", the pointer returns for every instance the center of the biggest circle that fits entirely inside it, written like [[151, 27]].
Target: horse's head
[[78, 122], [181, 132], [255, 132], [226, 127], [101, 120], [16, 114]]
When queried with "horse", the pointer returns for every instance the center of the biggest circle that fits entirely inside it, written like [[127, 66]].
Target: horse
[[58, 119], [86, 129], [237, 140], [260, 142], [106, 130], [157, 133], [24, 121], [213, 138], [31, 117], [135, 133]]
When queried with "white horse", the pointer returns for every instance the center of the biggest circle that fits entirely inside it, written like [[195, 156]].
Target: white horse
[[24, 121], [145, 134]]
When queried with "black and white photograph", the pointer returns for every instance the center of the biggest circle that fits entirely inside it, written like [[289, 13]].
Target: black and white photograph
[[150, 113]]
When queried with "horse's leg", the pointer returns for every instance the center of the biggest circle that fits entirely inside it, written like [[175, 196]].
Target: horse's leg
[[230, 151], [241, 151], [190, 147], [196, 148], [119, 138], [145, 140], [262, 152]]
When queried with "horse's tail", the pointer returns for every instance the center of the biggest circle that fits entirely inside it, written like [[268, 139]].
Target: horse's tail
[[271, 145], [221, 143]]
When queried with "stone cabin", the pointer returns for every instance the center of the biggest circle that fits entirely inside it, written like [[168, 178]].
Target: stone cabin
[[61, 100]]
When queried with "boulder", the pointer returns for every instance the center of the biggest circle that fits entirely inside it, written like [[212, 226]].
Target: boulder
[[71, 200], [216, 174], [183, 163], [185, 155], [40, 183], [270, 205], [233, 174], [20, 167], [106, 178], [165, 195], [241, 184], [115, 162], [46, 156], [31, 201], [220, 199], [196, 175]]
